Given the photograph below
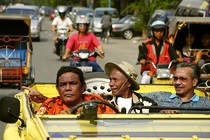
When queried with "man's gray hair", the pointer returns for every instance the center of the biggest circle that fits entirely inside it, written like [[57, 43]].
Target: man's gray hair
[[196, 69]]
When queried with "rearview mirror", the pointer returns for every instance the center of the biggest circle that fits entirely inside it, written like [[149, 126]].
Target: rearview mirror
[[9, 109]]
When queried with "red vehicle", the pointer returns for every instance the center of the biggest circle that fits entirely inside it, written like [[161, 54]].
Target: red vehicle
[[53, 14]]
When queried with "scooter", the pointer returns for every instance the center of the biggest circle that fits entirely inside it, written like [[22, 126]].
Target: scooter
[[61, 41], [163, 74], [83, 56]]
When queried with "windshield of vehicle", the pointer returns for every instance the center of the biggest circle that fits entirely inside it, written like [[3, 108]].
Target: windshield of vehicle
[[100, 13], [124, 20], [84, 12], [190, 12], [22, 11], [135, 127], [128, 19]]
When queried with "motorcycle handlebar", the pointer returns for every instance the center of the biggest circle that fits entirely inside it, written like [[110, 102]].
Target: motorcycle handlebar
[[150, 62]]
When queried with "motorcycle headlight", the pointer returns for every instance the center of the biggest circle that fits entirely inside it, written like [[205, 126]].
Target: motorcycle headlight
[[35, 27], [163, 73], [83, 55]]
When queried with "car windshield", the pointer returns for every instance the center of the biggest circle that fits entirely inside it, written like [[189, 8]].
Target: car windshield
[[83, 12], [21, 11], [124, 20], [112, 127], [100, 13], [190, 12]]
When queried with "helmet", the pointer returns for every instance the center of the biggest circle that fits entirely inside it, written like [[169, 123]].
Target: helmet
[[61, 11], [159, 24], [82, 19]]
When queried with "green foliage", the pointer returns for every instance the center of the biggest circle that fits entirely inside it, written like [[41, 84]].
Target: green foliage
[[145, 8]]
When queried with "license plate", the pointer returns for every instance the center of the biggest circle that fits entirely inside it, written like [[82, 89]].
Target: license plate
[[86, 69]]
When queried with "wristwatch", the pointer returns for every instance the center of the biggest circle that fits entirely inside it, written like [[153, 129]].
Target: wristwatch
[[64, 57], [102, 52]]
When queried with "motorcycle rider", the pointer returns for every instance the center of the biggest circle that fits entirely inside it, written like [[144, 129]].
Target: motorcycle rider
[[61, 21], [156, 49], [84, 40]]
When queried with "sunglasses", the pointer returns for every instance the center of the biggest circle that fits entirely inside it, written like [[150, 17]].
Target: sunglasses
[[182, 79]]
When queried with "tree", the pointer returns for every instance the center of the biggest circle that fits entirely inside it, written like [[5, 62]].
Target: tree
[[145, 8]]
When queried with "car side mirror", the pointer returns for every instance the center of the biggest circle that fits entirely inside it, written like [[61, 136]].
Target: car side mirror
[[9, 109]]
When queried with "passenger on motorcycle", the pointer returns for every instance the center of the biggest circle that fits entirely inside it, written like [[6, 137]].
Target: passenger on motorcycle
[[61, 21], [156, 49], [83, 40]]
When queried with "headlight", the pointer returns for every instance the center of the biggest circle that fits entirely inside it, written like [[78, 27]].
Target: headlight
[[35, 27]]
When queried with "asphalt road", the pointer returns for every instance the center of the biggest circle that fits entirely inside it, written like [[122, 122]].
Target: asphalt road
[[46, 63]]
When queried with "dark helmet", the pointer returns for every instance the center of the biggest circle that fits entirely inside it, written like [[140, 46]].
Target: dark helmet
[[61, 11]]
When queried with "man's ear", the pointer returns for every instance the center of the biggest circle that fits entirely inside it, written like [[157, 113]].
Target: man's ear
[[195, 81], [84, 87], [129, 83]]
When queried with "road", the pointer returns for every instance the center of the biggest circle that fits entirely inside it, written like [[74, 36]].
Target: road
[[46, 63]]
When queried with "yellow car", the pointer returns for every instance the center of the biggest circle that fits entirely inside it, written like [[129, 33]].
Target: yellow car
[[25, 124]]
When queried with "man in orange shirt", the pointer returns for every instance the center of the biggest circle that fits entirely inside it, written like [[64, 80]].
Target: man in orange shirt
[[70, 84]]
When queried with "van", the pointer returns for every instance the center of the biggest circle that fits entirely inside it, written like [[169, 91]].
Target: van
[[77, 11], [193, 8], [97, 16]]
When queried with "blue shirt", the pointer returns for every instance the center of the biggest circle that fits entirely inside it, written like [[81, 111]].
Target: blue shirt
[[172, 100]]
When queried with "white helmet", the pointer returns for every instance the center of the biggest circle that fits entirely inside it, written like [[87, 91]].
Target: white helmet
[[83, 20], [61, 11], [159, 24]]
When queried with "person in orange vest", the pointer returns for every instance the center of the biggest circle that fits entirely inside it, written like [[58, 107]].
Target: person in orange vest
[[156, 49], [70, 84]]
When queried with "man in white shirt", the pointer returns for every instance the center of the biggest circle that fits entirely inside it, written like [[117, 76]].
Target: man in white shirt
[[122, 83], [59, 22]]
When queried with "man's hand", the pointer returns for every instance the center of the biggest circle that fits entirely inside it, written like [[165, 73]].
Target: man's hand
[[101, 54], [66, 111], [35, 95], [143, 61], [64, 58]]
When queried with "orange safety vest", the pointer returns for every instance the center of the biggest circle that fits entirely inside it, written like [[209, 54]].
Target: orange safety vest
[[151, 56], [53, 106]]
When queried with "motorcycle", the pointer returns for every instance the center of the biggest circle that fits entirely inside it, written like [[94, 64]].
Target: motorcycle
[[83, 56], [61, 41], [163, 74]]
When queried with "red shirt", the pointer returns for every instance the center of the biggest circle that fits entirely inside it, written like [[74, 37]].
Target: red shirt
[[53, 106], [77, 42]]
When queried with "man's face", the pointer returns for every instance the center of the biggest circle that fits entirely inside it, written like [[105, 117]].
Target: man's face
[[183, 82], [118, 83], [205, 40], [158, 33], [70, 89], [189, 39]]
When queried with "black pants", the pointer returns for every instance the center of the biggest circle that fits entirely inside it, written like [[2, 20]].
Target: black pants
[[105, 31]]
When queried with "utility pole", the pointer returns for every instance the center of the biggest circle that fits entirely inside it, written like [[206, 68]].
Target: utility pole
[[110, 3]]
